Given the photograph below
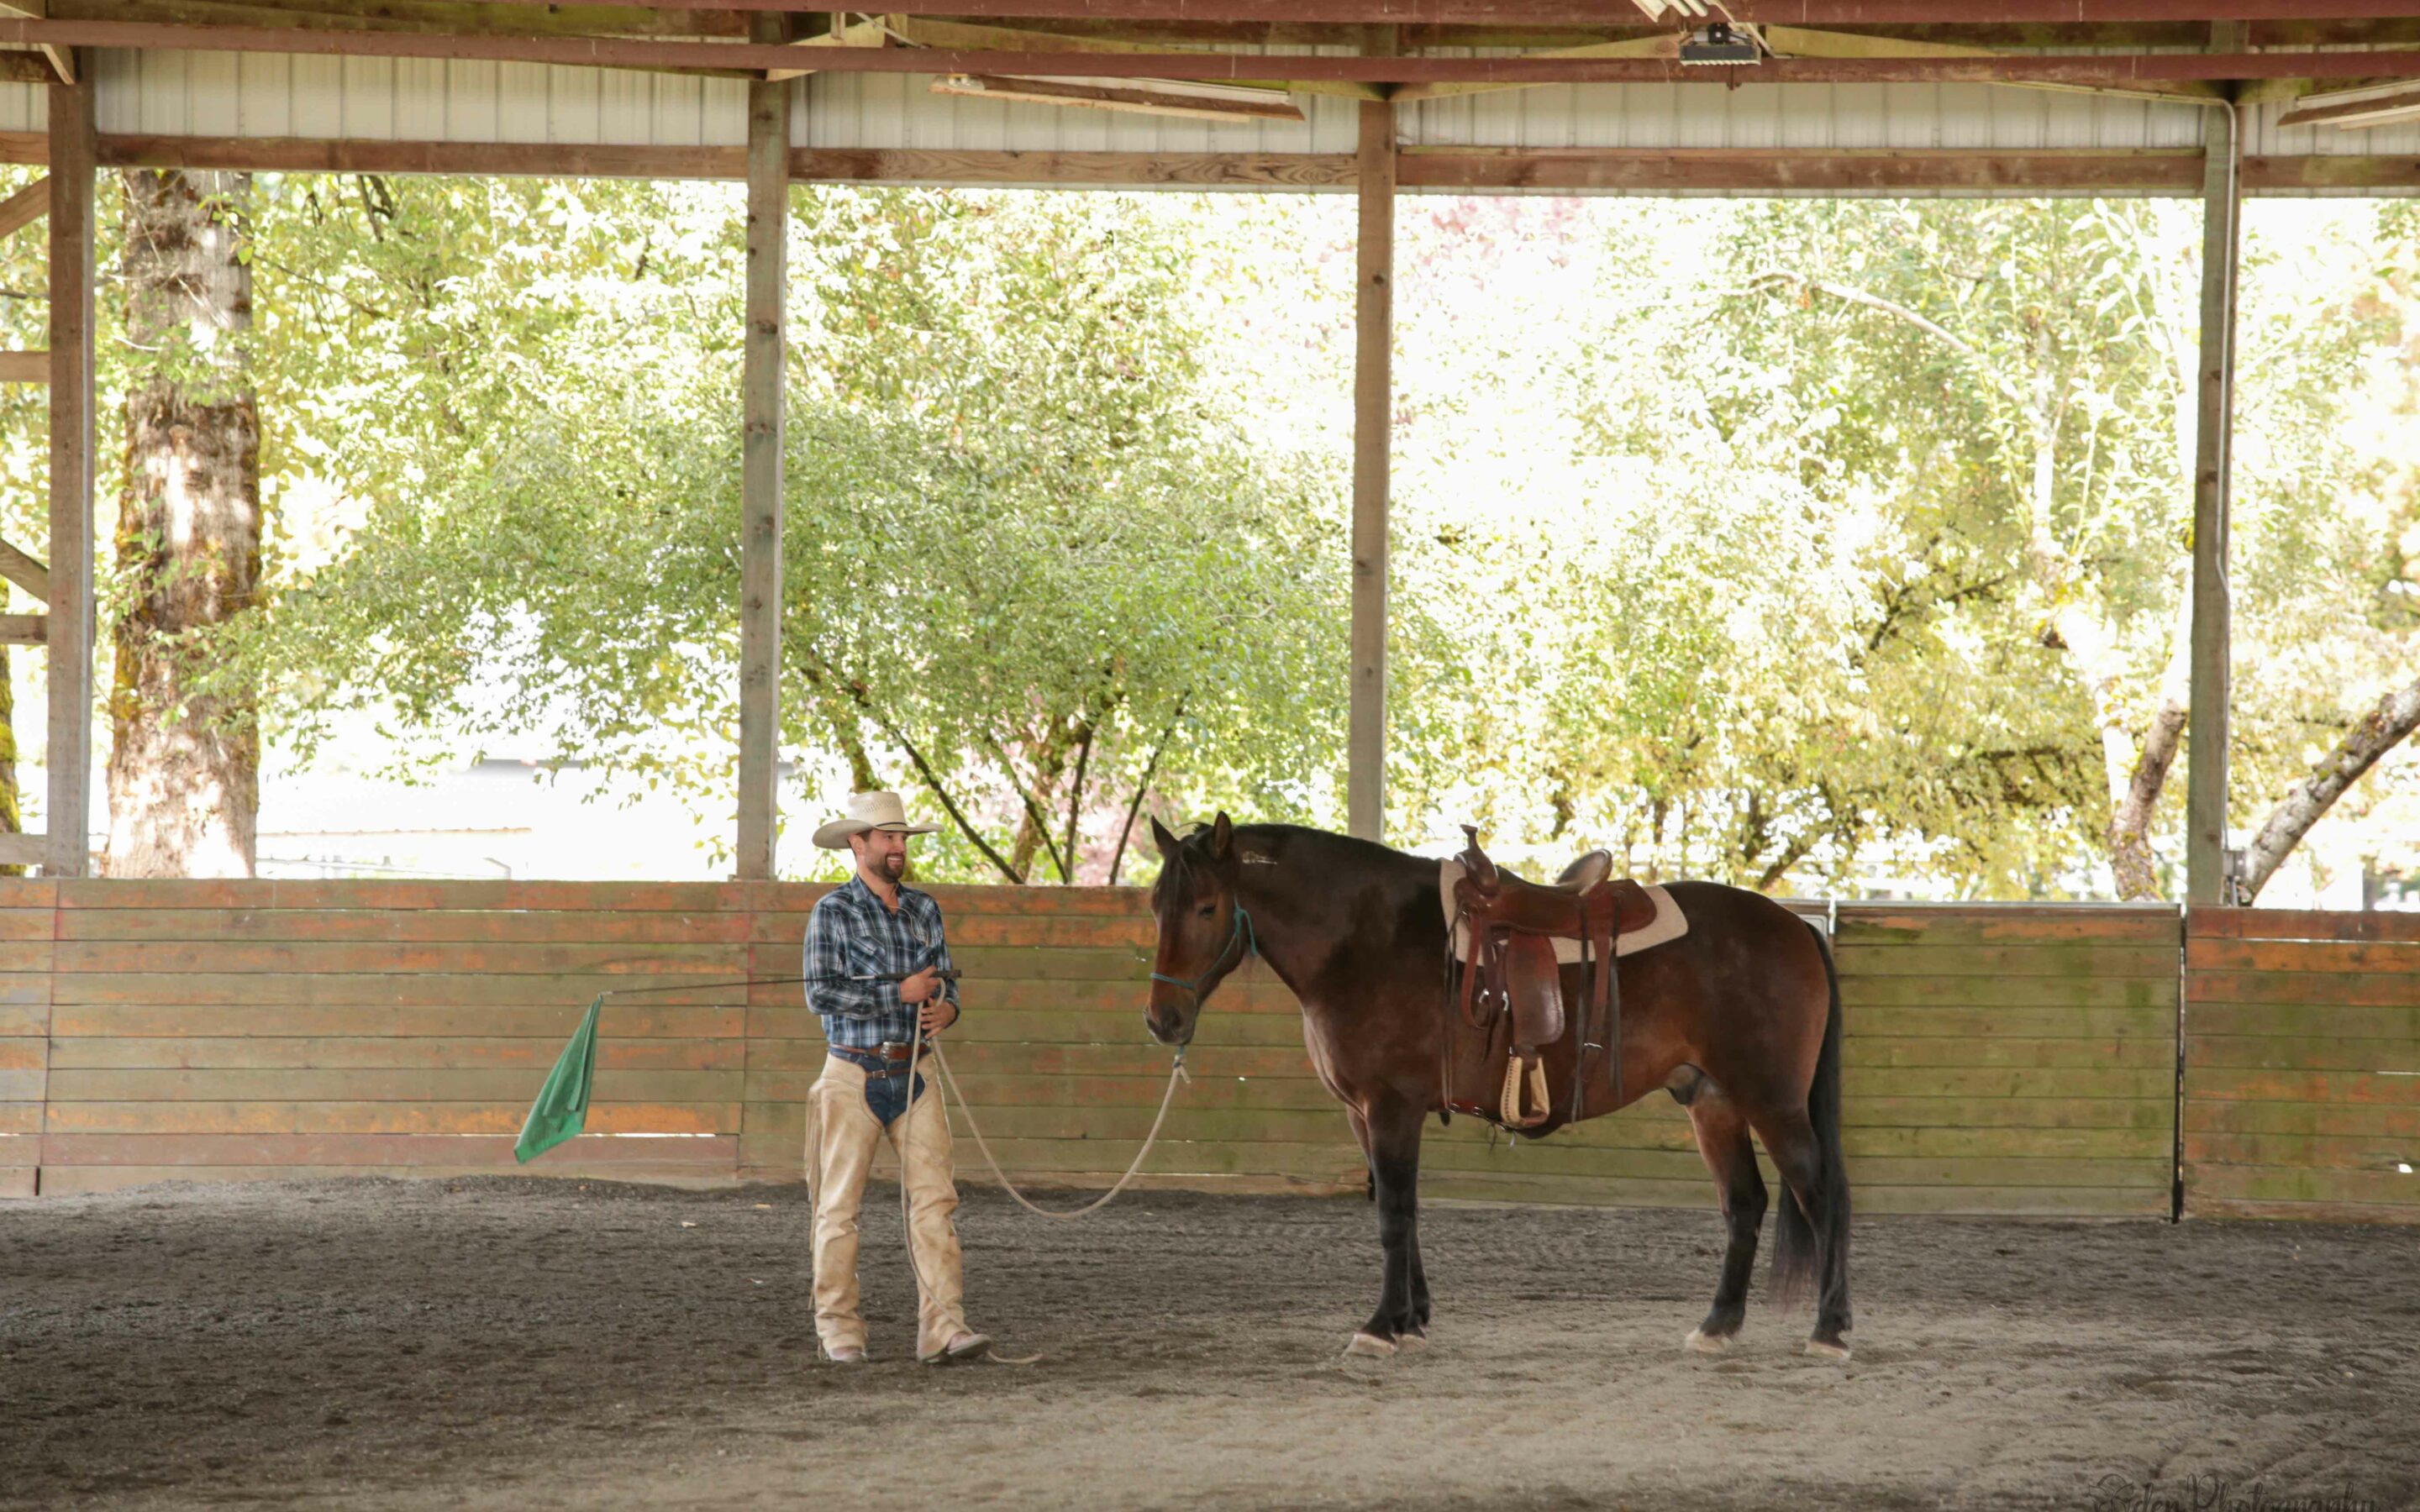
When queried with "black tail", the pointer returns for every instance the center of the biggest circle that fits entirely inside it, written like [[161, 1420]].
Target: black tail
[[1795, 1260]]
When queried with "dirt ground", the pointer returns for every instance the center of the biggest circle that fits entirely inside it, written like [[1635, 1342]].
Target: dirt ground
[[512, 1343]]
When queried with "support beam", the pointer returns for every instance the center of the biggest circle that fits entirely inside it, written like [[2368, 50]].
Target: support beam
[[74, 151], [2158, 171], [760, 454], [1374, 408], [2106, 70], [27, 571], [24, 206], [2206, 879]]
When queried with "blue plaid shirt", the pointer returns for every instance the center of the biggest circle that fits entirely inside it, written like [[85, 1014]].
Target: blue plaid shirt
[[851, 935]]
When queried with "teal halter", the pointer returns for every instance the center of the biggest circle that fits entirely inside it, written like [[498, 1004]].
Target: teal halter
[[1242, 931]]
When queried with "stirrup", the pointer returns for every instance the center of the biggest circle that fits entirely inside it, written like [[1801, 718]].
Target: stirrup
[[1513, 1118]]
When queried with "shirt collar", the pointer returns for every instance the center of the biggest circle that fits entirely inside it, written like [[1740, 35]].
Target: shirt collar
[[865, 894]]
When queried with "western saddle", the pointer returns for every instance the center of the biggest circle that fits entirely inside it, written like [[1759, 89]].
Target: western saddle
[[1510, 989]]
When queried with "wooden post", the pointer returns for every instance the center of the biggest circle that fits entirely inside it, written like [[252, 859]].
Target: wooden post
[[67, 816], [1374, 404], [760, 490], [2206, 878]]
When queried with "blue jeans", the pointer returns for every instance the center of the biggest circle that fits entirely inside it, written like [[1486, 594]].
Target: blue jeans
[[886, 1090]]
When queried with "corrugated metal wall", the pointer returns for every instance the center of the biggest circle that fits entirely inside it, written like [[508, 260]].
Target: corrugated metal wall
[[206, 94]]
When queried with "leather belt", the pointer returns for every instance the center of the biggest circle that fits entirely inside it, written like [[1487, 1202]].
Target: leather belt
[[881, 1057]]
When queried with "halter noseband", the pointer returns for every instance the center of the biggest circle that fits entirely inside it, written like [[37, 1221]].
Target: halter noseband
[[1242, 931]]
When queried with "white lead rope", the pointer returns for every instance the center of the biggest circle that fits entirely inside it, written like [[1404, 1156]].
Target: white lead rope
[[1176, 1072]]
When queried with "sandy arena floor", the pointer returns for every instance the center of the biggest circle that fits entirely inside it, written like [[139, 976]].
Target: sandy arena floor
[[506, 1343]]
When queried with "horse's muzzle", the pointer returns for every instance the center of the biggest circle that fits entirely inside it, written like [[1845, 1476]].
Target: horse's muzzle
[[1171, 1024]]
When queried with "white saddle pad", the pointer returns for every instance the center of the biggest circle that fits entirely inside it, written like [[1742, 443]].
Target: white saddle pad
[[1669, 923]]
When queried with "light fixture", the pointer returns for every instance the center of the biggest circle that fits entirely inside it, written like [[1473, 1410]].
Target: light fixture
[[2353, 109], [1722, 45]]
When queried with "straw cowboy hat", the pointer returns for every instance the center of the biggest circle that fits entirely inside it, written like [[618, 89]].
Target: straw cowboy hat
[[864, 811]]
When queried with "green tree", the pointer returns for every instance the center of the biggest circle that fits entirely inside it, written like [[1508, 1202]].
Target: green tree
[[1029, 565]]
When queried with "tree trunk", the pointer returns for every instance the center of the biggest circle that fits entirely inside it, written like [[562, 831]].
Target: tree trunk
[[2130, 823], [2374, 735], [185, 763]]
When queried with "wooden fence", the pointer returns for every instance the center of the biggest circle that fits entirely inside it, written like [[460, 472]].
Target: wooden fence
[[2302, 1064], [1998, 1059]]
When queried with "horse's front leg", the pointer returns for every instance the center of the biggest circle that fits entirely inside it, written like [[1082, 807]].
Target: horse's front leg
[[1402, 1310]]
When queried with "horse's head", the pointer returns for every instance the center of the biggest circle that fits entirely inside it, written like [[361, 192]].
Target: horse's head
[[1204, 932]]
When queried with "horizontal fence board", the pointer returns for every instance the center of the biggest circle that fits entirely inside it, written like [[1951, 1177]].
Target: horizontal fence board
[[2301, 1021], [2025, 1082], [641, 1018], [441, 1085], [2399, 1120], [352, 1117], [1939, 989], [452, 895], [2305, 988], [2237, 1083], [17, 1182], [2323, 1152], [2297, 1184], [1872, 1022], [2140, 1051], [1861, 927], [81, 1180], [2302, 955], [435, 989], [613, 1053], [2300, 924], [20, 1118], [2304, 1052], [271, 957], [585, 926], [2051, 961], [366, 1149]]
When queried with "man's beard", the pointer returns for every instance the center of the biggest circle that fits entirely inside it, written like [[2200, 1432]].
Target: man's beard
[[894, 867]]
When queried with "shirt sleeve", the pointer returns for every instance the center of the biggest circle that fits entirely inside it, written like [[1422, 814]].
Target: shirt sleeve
[[941, 957], [836, 952]]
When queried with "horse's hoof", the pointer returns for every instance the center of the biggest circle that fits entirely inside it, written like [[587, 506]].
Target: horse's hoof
[[1822, 1350], [1705, 1343], [1369, 1345], [1412, 1341]]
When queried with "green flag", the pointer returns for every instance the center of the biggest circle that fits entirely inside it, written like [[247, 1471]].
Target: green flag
[[562, 1105]]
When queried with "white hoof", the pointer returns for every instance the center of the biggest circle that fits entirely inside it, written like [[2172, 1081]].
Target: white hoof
[[1412, 1343], [1822, 1351], [1705, 1343], [1369, 1347]]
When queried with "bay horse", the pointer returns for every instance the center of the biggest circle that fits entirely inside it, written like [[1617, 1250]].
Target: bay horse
[[1739, 1019]]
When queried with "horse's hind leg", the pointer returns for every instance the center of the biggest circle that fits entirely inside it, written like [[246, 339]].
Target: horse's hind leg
[[1809, 1240], [1723, 1140]]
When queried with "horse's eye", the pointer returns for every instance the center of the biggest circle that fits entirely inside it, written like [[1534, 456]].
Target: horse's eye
[[1206, 910]]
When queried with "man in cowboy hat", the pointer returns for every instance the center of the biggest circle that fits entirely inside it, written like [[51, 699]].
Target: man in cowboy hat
[[876, 958]]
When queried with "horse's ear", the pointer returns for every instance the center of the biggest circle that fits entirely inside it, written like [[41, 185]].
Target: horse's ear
[[1223, 835], [1162, 838]]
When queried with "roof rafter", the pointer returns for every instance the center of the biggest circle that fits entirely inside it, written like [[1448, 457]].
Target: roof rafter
[[2103, 71]]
